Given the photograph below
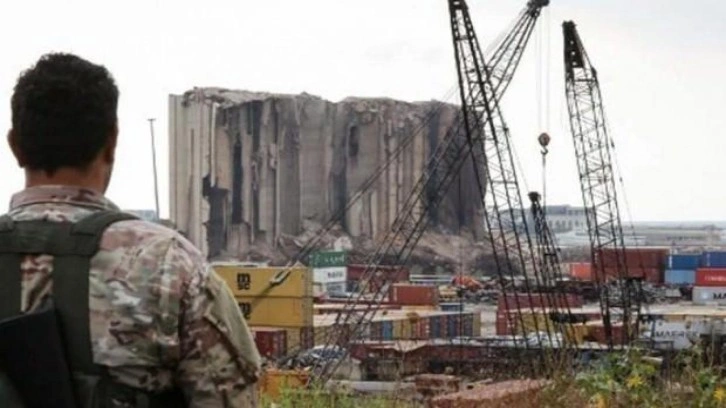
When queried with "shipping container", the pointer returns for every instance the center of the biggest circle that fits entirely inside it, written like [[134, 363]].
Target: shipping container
[[709, 295], [679, 335], [634, 257], [713, 260], [435, 327], [376, 332], [406, 294], [711, 277], [680, 277], [581, 271], [504, 324], [452, 307], [277, 312], [476, 329], [271, 342], [650, 275], [387, 330], [684, 262], [259, 281], [330, 275], [597, 333]]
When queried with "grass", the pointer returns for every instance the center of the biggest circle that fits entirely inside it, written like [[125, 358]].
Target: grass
[[623, 380], [631, 380], [318, 398]]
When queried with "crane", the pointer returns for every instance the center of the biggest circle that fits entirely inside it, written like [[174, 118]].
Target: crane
[[597, 180], [430, 189], [548, 254]]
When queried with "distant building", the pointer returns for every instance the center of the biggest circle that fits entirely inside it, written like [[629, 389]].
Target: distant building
[[563, 218], [569, 224]]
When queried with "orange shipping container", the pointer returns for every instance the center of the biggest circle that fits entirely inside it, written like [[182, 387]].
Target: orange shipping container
[[581, 270], [404, 294]]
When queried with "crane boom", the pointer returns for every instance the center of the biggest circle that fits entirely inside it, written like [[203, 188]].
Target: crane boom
[[597, 180], [488, 135], [445, 164]]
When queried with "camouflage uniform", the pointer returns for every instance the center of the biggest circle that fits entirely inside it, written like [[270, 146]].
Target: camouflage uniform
[[159, 315]]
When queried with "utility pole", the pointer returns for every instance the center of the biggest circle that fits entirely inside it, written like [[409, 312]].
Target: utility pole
[[153, 158]]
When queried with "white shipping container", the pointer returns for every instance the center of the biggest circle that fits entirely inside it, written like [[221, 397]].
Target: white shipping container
[[706, 295], [337, 288], [682, 335], [329, 275]]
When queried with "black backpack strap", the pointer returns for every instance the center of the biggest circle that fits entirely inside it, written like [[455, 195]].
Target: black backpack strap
[[10, 279], [72, 246], [70, 285]]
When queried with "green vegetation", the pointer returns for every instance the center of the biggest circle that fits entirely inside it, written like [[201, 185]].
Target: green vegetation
[[318, 398], [630, 380]]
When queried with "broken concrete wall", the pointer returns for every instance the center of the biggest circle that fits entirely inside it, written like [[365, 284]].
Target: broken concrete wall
[[247, 167]]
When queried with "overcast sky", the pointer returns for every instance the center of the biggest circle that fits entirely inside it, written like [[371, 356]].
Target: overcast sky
[[660, 64]]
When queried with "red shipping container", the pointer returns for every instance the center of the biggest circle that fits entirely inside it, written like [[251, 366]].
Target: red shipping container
[[634, 257], [414, 295], [597, 333], [510, 301], [711, 277], [270, 342], [376, 331], [504, 325], [581, 270], [651, 275]]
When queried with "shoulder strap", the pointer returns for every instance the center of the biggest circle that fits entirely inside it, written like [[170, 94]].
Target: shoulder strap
[[70, 285], [10, 279], [72, 246]]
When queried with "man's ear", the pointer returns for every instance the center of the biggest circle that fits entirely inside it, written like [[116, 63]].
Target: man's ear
[[109, 153], [12, 142]]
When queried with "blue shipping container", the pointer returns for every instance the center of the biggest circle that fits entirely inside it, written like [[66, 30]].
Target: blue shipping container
[[435, 327], [388, 330], [713, 260], [452, 307], [680, 277], [684, 262]]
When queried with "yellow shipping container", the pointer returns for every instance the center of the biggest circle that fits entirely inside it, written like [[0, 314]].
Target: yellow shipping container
[[277, 312], [573, 333], [273, 382], [477, 324], [398, 329], [406, 329], [419, 308], [258, 281]]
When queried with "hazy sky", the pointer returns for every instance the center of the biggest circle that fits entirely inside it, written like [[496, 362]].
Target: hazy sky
[[660, 64]]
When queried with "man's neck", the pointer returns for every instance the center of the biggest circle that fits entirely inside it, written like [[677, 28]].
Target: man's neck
[[65, 177]]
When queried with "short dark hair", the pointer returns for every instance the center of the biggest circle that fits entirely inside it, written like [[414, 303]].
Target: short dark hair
[[63, 112]]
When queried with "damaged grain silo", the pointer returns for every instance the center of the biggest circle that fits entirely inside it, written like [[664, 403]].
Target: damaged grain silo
[[248, 168]]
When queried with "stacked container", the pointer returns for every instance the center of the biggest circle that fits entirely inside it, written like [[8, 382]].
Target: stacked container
[[646, 263], [271, 342], [414, 295], [682, 270], [275, 297], [710, 285]]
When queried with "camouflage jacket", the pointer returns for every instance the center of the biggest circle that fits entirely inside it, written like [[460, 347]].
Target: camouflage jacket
[[159, 315]]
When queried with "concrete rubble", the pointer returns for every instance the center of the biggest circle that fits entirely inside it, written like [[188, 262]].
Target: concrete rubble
[[254, 174]]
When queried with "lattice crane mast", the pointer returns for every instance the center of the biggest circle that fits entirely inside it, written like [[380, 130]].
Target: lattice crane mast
[[444, 165], [597, 180], [488, 135]]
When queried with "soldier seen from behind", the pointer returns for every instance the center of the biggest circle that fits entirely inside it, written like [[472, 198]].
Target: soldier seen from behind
[[143, 320]]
